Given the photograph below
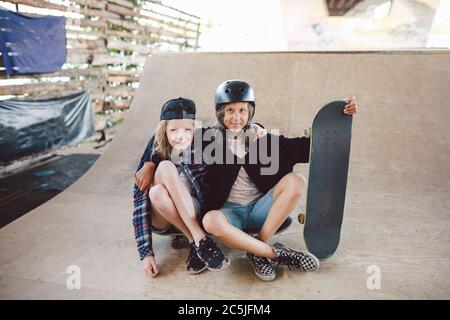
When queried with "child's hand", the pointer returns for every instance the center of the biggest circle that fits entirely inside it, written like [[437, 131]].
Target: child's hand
[[150, 267], [351, 107], [259, 131], [144, 176]]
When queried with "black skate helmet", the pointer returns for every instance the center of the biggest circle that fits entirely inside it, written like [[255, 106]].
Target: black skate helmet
[[234, 91]]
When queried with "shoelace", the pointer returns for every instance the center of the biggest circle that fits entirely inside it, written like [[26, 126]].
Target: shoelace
[[207, 245]]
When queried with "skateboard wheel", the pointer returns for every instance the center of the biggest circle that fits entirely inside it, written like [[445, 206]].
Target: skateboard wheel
[[301, 218], [177, 243], [307, 132]]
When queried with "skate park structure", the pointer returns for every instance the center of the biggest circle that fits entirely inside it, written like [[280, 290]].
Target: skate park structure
[[396, 229]]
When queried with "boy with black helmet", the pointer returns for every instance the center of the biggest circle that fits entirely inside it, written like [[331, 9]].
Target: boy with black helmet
[[243, 198]]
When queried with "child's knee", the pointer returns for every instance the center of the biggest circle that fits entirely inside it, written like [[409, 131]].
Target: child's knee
[[296, 183], [166, 166], [158, 195], [213, 222]]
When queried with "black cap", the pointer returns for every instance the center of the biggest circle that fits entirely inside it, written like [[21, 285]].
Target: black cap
[[180, 108], [234, 91]]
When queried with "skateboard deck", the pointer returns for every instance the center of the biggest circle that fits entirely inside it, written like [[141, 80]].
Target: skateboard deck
[[328, 170]]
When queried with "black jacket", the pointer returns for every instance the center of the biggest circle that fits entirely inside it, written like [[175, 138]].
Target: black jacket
[[221, 177]]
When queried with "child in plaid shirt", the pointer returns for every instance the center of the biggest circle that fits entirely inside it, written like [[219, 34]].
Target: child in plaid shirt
[[168, 194]]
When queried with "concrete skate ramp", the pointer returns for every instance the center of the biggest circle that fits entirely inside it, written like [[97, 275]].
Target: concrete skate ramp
[[397, 218]]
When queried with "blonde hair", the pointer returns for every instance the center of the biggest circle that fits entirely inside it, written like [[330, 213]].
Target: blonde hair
[[161, 145]]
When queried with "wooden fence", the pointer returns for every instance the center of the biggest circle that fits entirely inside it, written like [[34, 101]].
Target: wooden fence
[[108, 42]]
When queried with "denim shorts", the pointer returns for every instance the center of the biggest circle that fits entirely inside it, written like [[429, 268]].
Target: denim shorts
[[250, 216]]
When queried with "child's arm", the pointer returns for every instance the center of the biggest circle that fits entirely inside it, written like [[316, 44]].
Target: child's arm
[[259, 130], [142, 221], [146, 169], [142, 218], [144, 177], [147, 153]]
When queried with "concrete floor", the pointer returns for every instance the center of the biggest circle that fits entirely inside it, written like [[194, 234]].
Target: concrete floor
[[397, 208]]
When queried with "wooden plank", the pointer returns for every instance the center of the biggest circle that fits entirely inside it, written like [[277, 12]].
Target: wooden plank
[[71, 51], [40, 4], [84, 23], [129, 35], [80, 58], [127, 24], [125, 12], [142, 29], [117, 104], [103, 59], [195, 23], [127, 46], [96, 13], [147, 39], [75, 34], [109, 72], [122, 79], [86, 44], [172, 8], [121, 91], [95, 4], [123, 3]]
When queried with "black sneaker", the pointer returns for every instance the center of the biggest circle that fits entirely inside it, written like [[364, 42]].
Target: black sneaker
[[264, 268], [301, 260], [211, 254], [194, 264]]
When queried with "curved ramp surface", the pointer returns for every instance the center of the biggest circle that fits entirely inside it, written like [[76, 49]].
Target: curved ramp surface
[[396, 225]]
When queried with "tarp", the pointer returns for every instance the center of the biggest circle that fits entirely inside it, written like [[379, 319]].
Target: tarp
[[32, 126], [32, 44]]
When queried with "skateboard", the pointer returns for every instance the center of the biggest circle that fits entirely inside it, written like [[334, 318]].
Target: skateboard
[[328, 170], [180, 241]]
